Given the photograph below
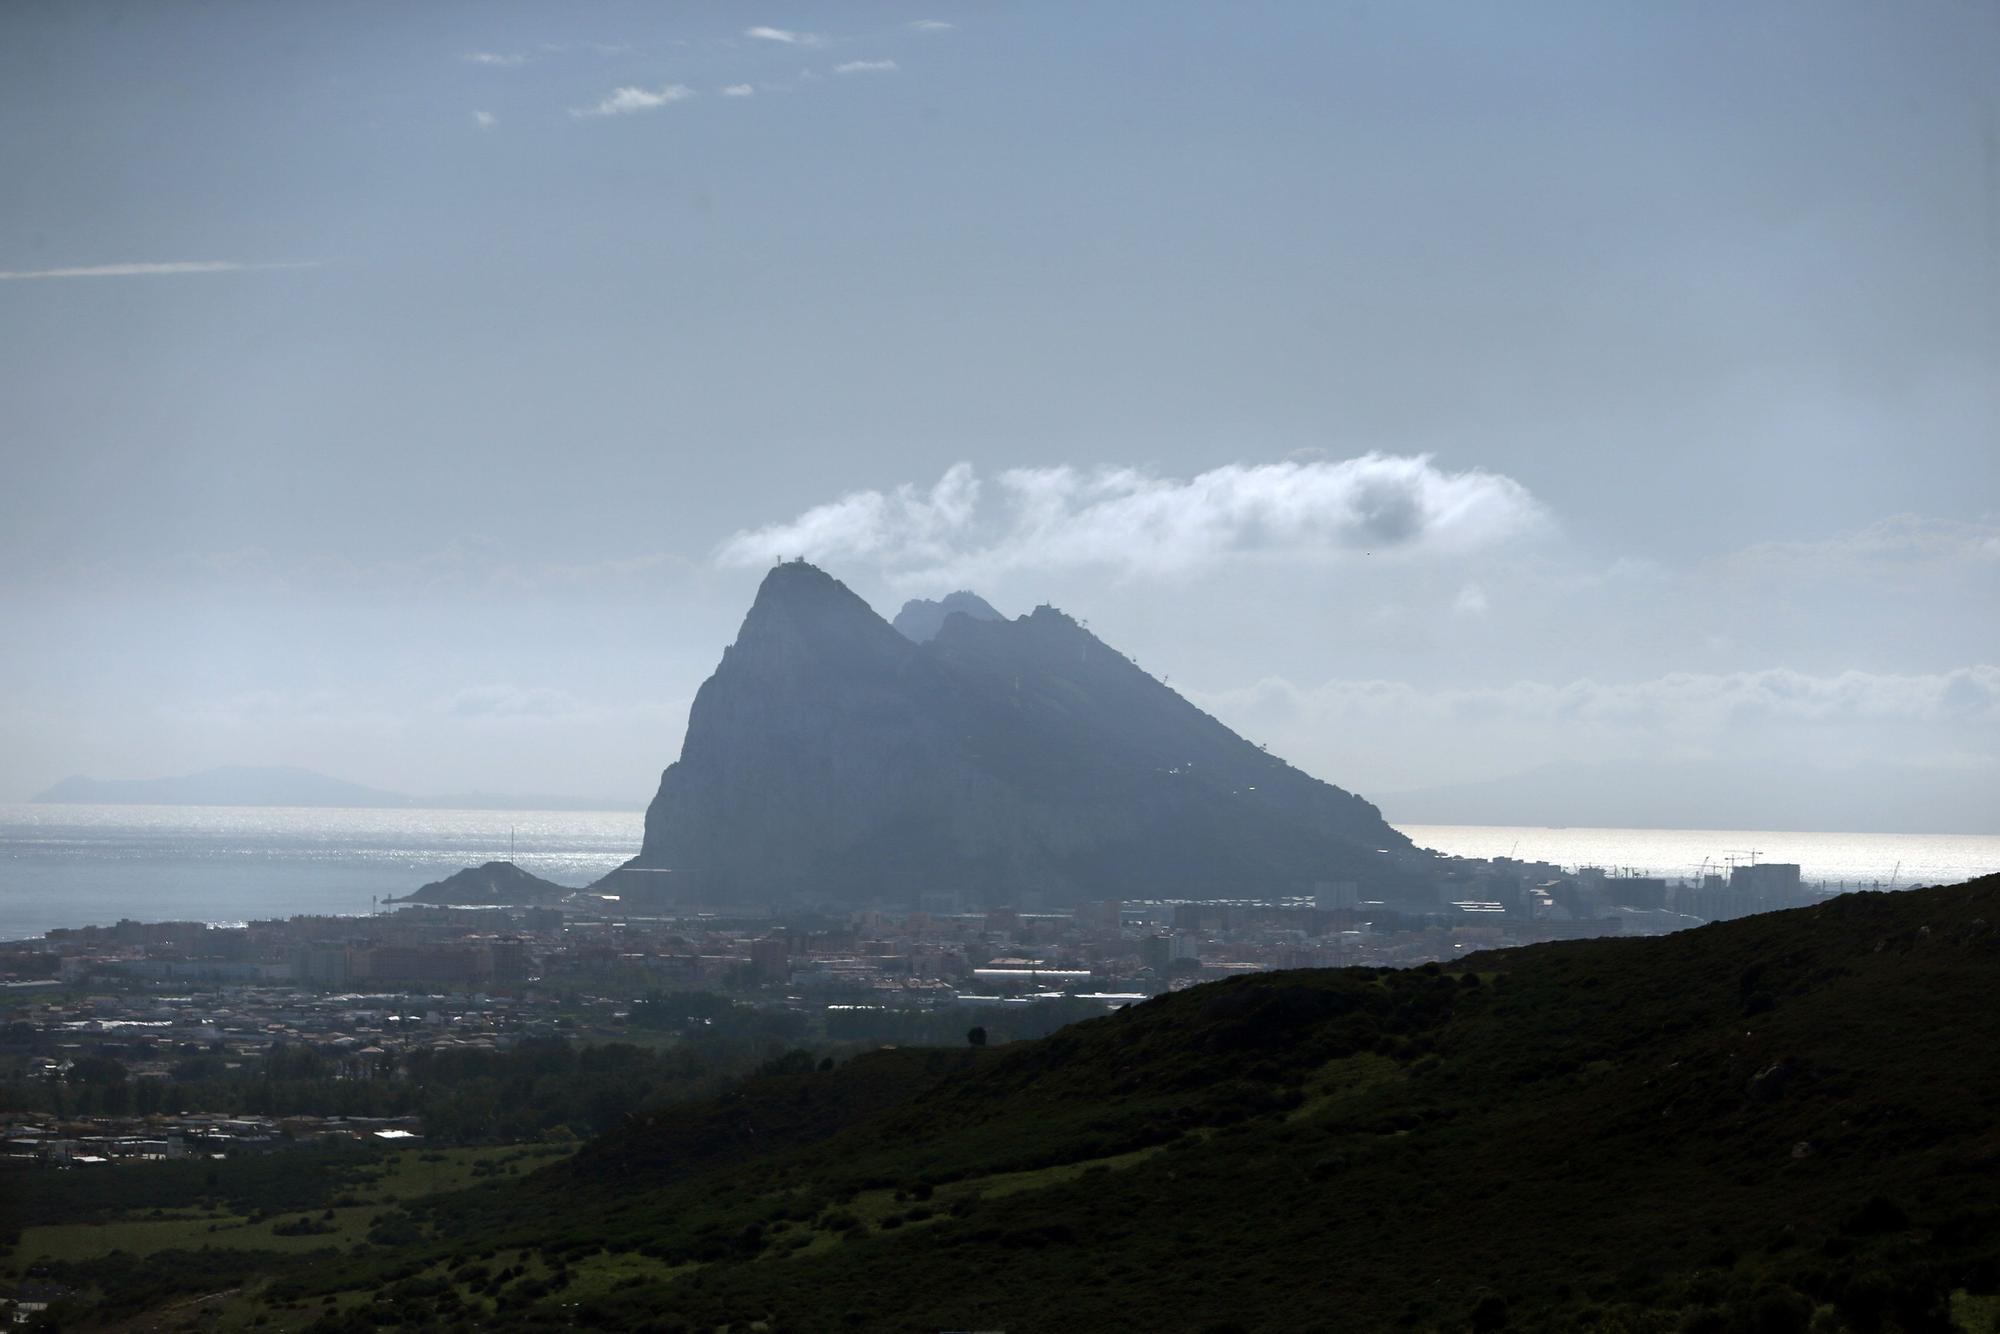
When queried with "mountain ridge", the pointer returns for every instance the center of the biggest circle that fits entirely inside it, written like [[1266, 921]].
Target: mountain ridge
[[1019, 761]]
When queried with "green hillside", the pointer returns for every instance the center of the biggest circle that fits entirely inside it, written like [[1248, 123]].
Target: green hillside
[[1784, 1123]]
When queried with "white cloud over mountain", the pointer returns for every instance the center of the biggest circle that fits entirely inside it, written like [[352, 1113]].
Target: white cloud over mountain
[[1127, 521]]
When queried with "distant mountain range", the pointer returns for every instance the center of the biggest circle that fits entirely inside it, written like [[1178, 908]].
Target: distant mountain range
[[1778, 794], [235, 785], [1015, 761]]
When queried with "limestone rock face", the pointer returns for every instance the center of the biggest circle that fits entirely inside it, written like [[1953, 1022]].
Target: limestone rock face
[[921, 618], [830, 756]]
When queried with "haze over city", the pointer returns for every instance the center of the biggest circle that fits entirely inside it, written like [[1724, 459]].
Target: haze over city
[[1431, 393]]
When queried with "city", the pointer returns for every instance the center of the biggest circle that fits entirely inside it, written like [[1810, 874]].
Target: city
[[116, 1024]]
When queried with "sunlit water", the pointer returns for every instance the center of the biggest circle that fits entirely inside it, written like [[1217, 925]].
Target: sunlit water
[[77, 865], [1853, 860]]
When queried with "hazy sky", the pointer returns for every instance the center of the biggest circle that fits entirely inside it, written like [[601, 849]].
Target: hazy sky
[[416, 393]]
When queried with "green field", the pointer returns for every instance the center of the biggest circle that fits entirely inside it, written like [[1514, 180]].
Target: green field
[[351, 1204]]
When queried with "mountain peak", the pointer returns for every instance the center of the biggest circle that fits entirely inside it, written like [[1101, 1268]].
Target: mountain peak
[[832, 757], [800, 606], [922, 618], [794, 582]]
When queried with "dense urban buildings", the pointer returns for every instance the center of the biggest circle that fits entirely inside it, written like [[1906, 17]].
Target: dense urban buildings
[[147, 1005]]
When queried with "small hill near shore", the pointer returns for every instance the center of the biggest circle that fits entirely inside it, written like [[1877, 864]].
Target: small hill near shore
[[1781, 1123], [493, 883]]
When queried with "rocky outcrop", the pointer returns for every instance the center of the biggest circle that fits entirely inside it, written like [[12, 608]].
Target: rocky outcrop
[[921, 618], [495, 882], [1011, 761]]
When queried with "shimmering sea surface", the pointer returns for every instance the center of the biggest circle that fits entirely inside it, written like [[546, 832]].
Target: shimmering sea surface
[[78, 865], [1855, 861]]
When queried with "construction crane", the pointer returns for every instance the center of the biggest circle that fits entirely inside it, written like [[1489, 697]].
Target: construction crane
[[1896, 875]]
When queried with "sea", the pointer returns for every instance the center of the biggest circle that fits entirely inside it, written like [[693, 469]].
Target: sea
[[75, 865], [67, 865]]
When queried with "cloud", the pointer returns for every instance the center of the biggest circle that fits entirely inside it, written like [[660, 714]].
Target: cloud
[[866, 67], [505, 701], [740, 90], [1128, 521], [1390, 735], [495, 59], [785, 36], [1471, 601], [1901, 541], [147, 270], [1706, 701], [901, 527], [263, 713], [626, 101], [485, 120], [933, 25]]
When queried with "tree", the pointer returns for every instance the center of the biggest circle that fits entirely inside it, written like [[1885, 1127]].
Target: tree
[[976, 1036], [97, 1070]]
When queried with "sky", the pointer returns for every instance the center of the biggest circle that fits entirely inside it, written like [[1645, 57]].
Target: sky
[[1433, 392]]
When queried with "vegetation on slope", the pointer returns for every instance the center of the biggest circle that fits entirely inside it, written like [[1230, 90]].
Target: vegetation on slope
[[1781, 1123]]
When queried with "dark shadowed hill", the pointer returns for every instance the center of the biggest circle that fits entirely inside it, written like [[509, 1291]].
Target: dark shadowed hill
[[1782, 1123], [1016, 761], [495, 882]]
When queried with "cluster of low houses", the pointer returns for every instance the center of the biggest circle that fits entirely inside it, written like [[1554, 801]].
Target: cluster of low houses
[[33, 1139]]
